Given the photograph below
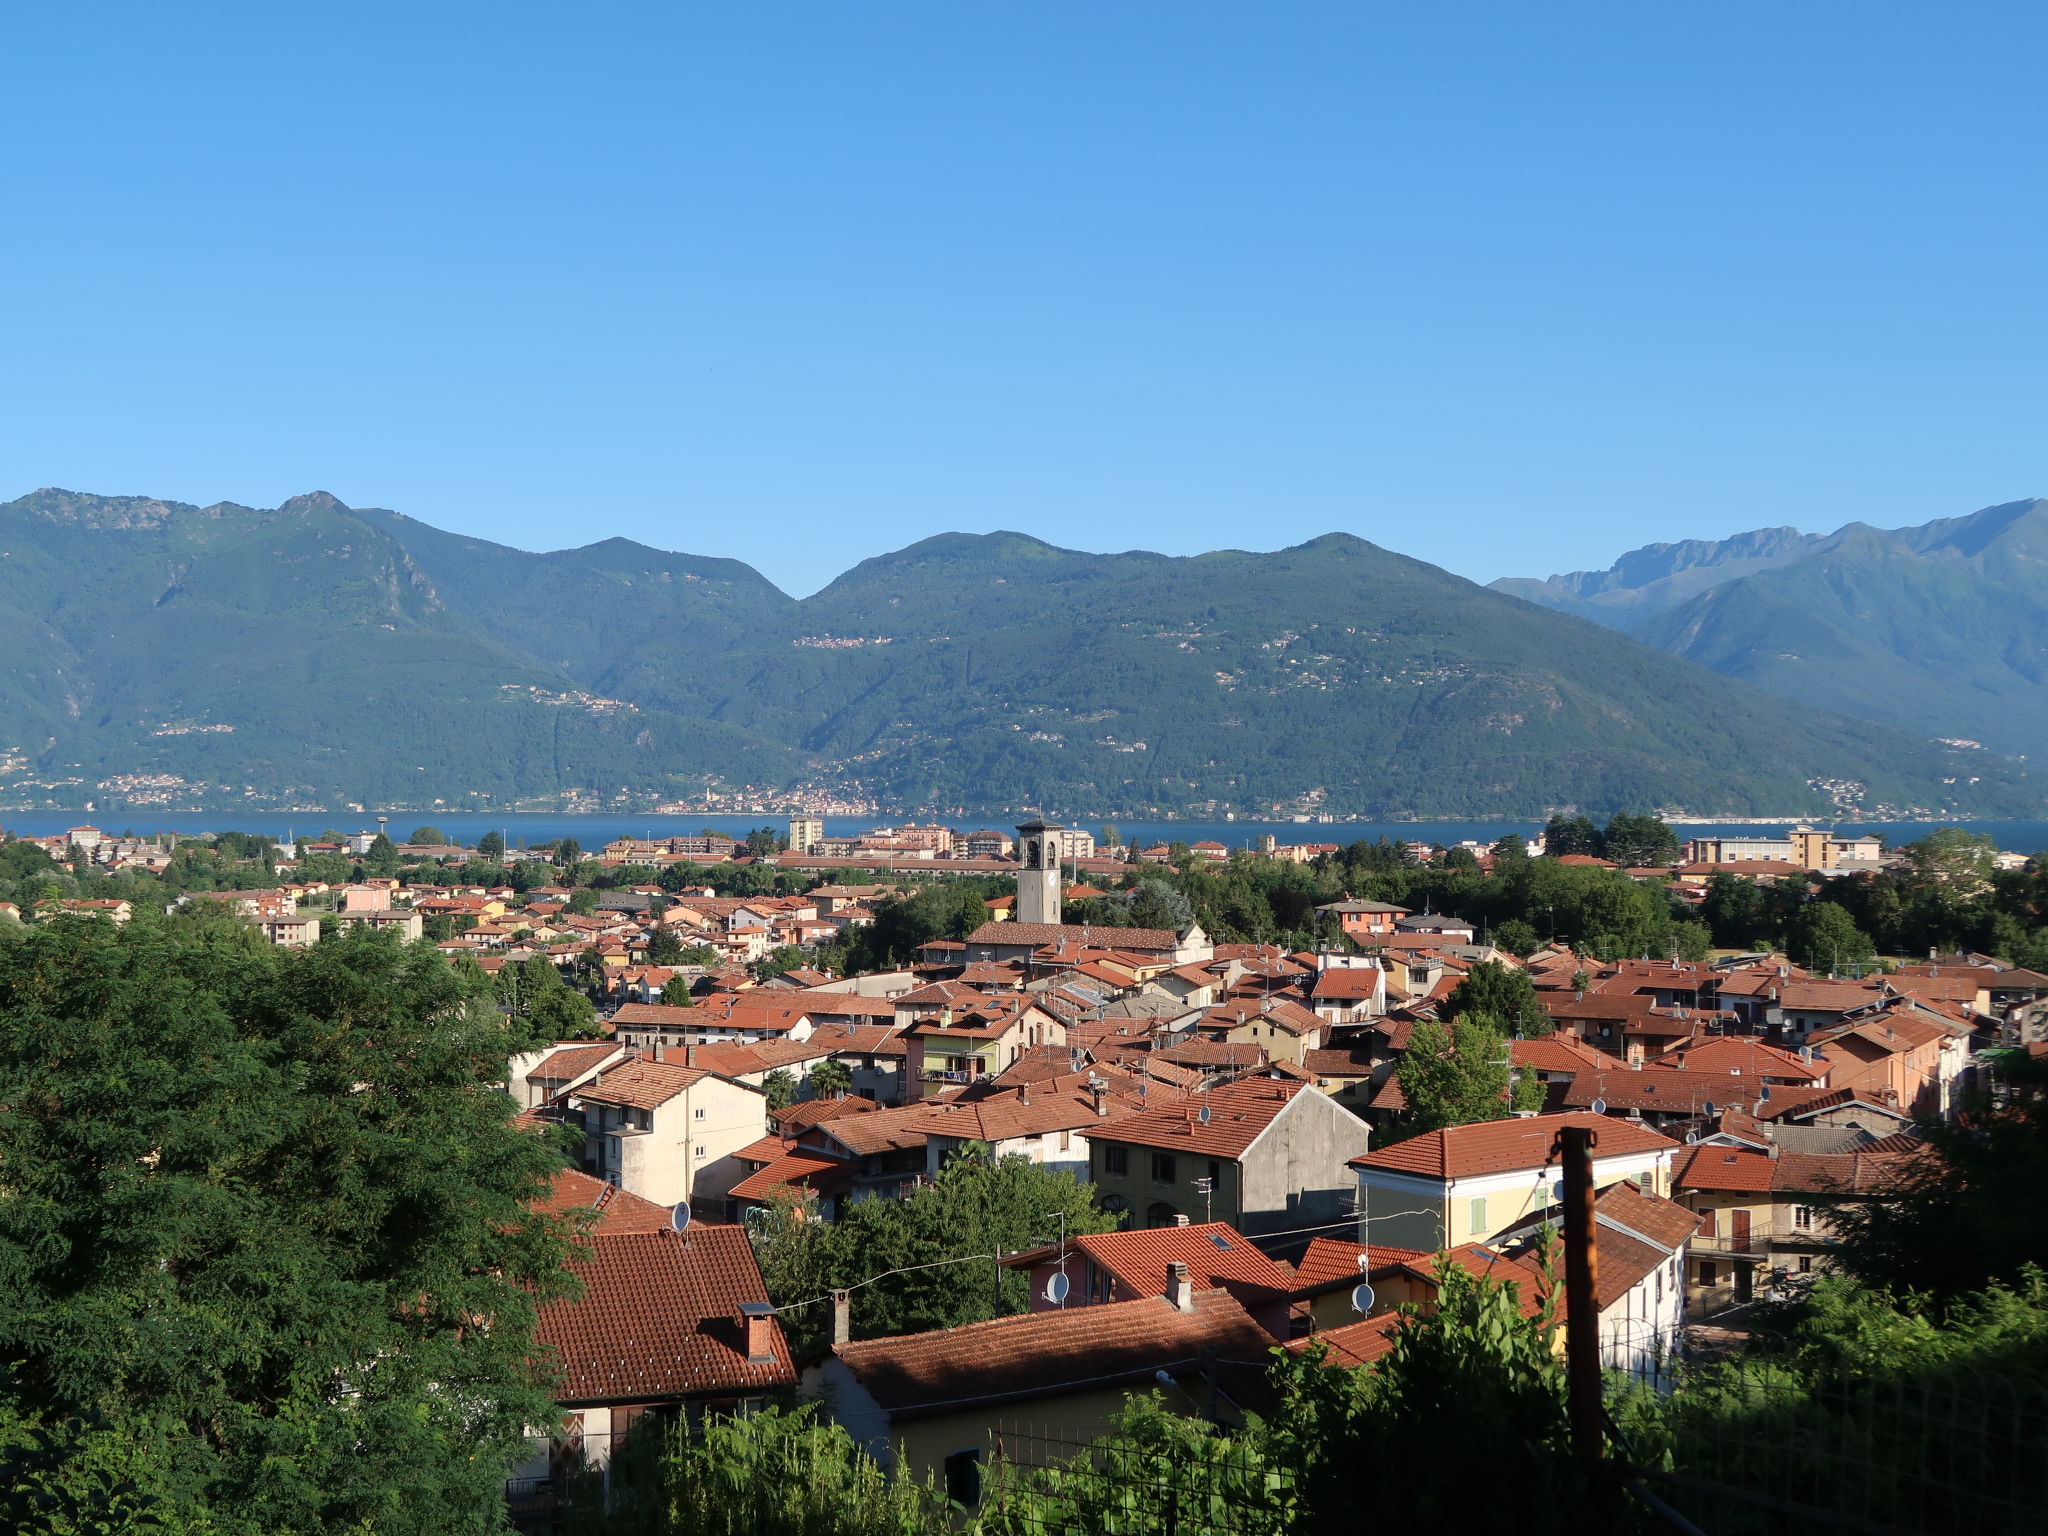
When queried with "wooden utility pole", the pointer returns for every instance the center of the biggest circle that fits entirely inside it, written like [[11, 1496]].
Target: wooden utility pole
[[1574, 1147]]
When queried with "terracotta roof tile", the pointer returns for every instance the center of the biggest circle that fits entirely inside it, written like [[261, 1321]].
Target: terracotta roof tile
[[639, 1084], [1038, 1353], [659, 1320], [617, 1210], [1498, 1145], [1329, 1260], [1214, 1252], [1238, 1113]]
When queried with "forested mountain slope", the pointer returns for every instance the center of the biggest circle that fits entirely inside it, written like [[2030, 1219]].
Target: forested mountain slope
[[1941, 629], [316, 654]]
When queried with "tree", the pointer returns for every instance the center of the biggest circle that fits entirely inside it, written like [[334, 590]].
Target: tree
[[1512, 849], [1966, 1212], [428, 837], [664, 948], [381, 859], [258, 1201], [977, 1205], [1501, 992], [1155, 904], [1639, 842], [1516, 937], [583, 901], [1453, 1074], [1110, 837], [1463, 860], [491, 847], [1576, 835], [568, 853], [533, 992], [780, 1088], [1822, 936], [830, 1080], [763, 841]]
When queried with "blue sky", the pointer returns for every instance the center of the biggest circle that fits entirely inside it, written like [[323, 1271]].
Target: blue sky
[[1511, 288]]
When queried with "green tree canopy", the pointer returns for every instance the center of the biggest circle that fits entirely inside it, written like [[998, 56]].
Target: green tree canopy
[[1503, 993], [829, 1079], [1822, 936], [428, 837], [491, 847], [1455, 1074], [256, 1202]]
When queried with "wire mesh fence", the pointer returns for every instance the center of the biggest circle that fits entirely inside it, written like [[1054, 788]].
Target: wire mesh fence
[[1041, 1479], [1745, 1446]]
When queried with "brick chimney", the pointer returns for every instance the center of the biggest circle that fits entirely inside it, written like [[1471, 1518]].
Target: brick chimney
[[658, 1050], [758, 1319], [689, 1055], [1180, 1290]]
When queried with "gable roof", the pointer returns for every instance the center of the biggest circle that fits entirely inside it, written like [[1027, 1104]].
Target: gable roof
[[1010, 935], [659, 1320], [573, 1061], [1330, 1261], [1036, 1354], [1238, 1114], [639, 1084], [1498, 1146], [618, 1211], [1215, 1253]]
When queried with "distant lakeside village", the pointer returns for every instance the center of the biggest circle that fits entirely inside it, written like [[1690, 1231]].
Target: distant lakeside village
[[1295, 1084]]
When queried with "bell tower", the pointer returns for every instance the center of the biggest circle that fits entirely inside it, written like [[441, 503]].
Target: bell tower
[[1039, 846]]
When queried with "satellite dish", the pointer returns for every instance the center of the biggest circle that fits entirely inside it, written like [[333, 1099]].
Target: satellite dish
[[1204, 1116], [1364, 1259], [1557, 1190], [1710, 1108], [1056, 1290], [1692, 1138], [1599, 1106], [1361, 1299], [679, 1218]]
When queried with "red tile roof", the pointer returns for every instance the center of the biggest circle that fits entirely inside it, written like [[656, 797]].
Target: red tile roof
[[1330, 1260], [617, 1210], [1214, 1252], [1353, 1344], [659, 1320], [1051, 935], [639, 1084], [1238, 1114], [1495, 1146], [572, 1062], [1040, 1353]]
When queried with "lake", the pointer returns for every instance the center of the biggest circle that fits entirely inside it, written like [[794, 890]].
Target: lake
[[596, 830]]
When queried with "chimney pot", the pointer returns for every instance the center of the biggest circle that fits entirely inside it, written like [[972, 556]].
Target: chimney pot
[[758, 1319], [1180, 1291]]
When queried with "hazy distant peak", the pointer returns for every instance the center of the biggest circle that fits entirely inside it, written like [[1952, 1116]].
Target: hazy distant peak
[[312, 502]]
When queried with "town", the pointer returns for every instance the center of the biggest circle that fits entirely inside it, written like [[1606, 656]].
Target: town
[[952, 1132]]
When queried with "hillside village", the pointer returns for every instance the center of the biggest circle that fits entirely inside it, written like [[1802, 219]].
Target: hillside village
[[1245, 1113]]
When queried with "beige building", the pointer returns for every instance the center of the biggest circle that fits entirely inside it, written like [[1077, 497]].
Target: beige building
[[667, 1132], [1465, 1184]]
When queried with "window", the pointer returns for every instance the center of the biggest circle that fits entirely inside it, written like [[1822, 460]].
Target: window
[[1709, 1273], [700, 1149], [963, 1476], [1802, 1217], [700, 1114], [1066, 1141], [1475, 1214], [1116, 1161], [1215, 1173], [1806, 1263], [1164, 1168]]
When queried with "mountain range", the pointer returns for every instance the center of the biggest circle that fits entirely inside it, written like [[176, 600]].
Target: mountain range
[[1940, 630], [317, 655]]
